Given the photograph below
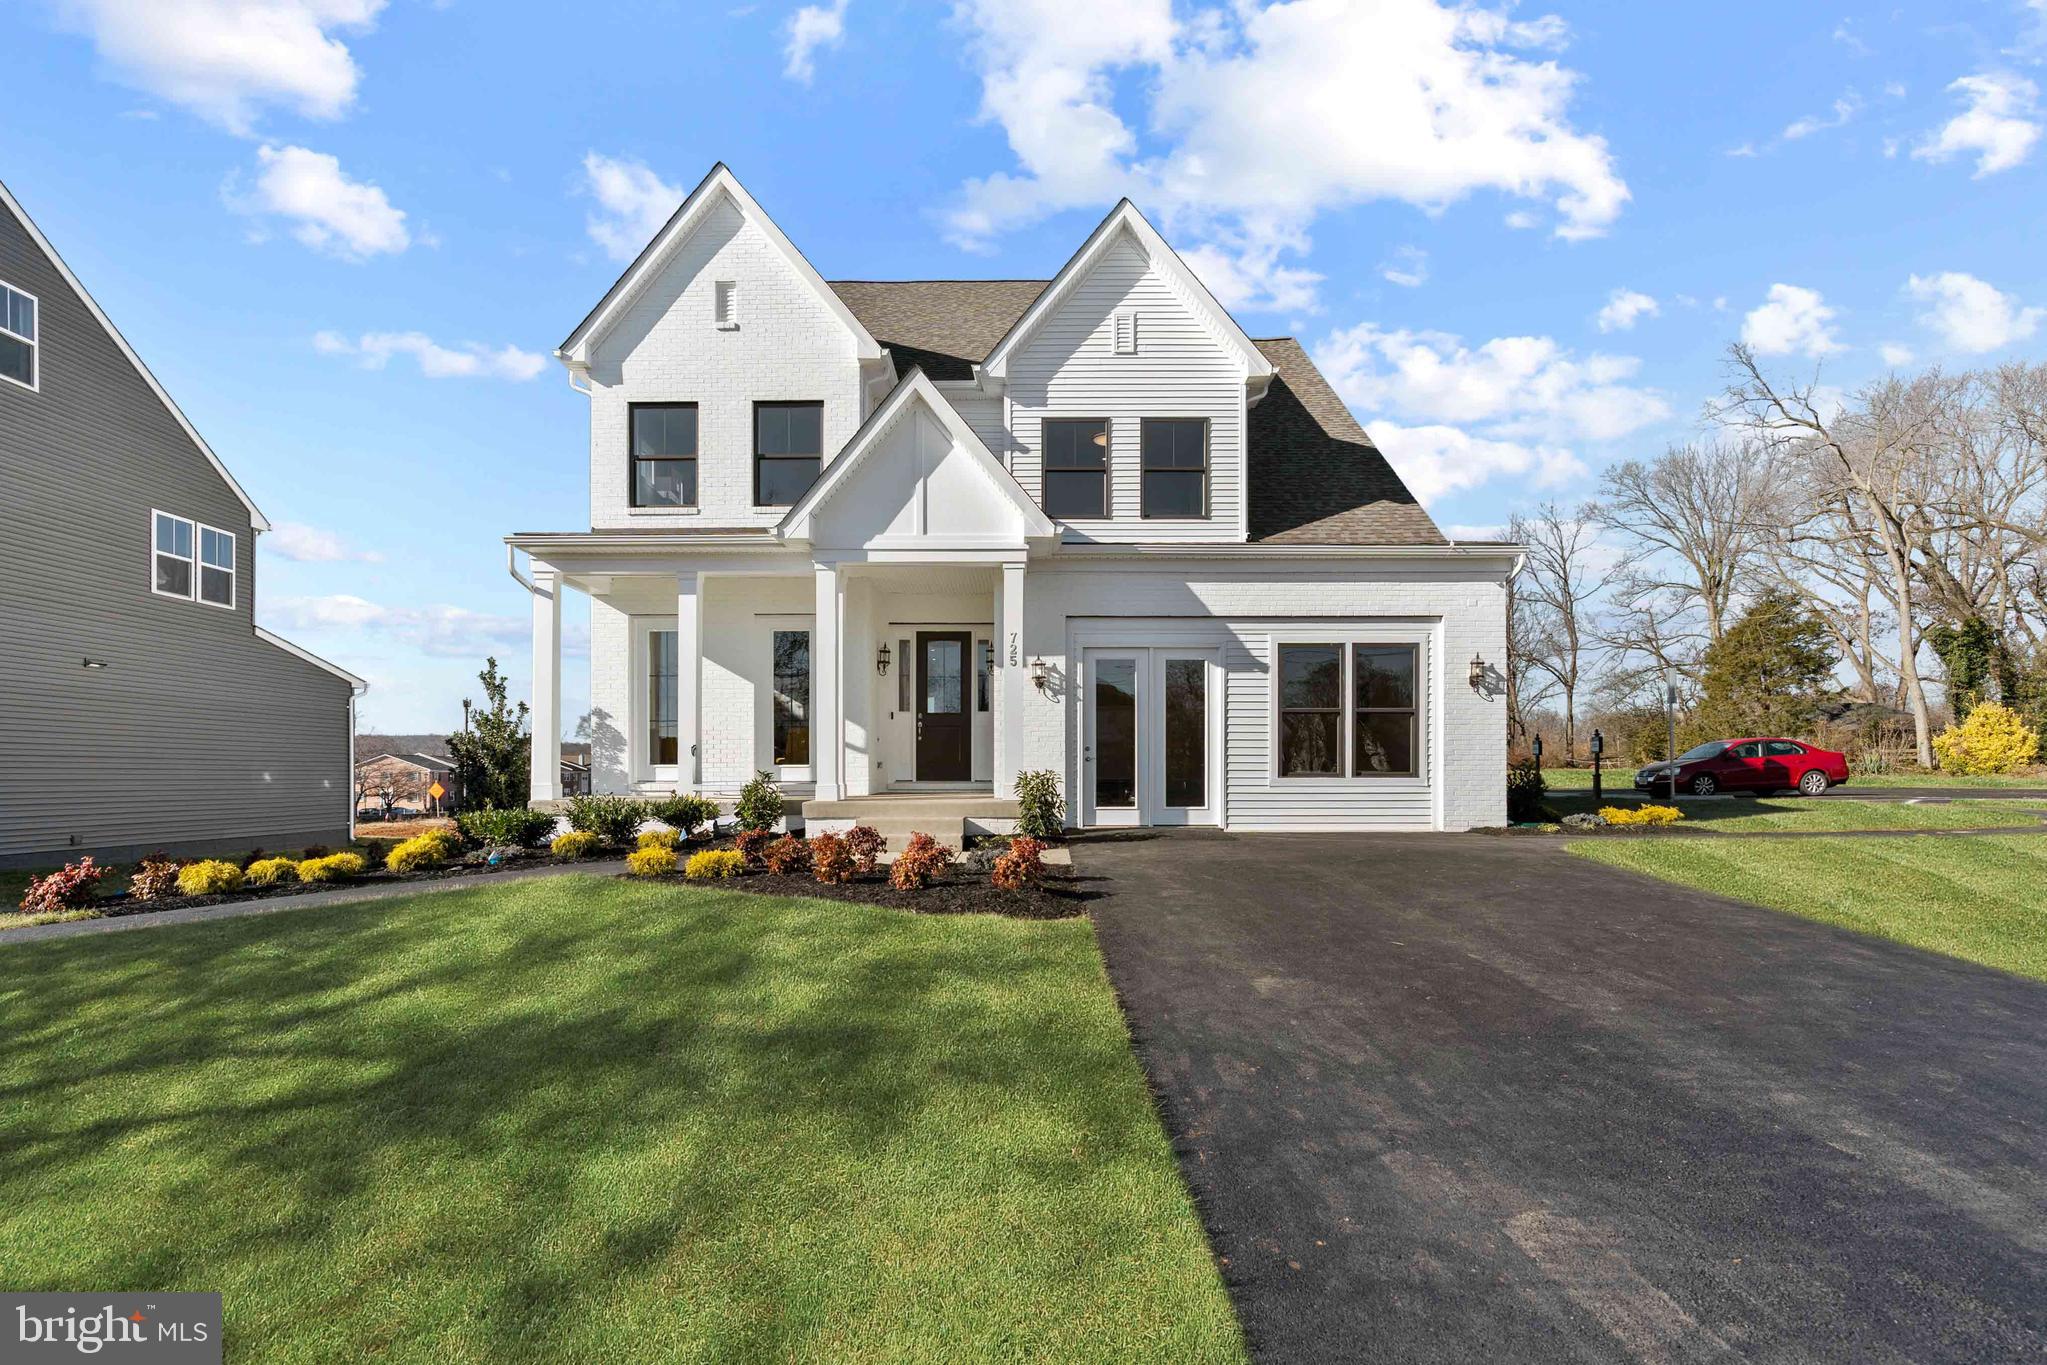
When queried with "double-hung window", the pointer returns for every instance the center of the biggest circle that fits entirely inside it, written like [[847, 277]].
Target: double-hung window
[[192, 560], [216, 567], [175, 562], [788, 447], [1175, 466], [18, 348], [1349, 709], [1076, 467], [664, 454]]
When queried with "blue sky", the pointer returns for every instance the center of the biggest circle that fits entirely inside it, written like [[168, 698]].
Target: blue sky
[[347, 233]]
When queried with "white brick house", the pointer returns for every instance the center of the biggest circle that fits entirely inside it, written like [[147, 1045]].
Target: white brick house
[[917, 536]]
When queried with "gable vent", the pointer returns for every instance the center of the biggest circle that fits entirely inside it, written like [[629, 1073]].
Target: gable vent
[[725, 303], [1126, 333]]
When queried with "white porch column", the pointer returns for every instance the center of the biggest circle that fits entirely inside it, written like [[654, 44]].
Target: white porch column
[[1012, 678], [826, 734], [547, 683], [689, 672]]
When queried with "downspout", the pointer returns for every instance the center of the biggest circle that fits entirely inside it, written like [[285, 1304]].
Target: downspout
[[512, 568]]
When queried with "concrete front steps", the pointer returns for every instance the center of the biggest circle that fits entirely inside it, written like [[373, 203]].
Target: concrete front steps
[[946, 816]]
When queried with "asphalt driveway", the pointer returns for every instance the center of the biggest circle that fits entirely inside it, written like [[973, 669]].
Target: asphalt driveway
[[1466, 1098]]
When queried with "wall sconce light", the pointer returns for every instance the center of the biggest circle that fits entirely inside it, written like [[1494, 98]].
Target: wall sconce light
[[92, 663], [1040, 675], [1478, 671], [881, 661]]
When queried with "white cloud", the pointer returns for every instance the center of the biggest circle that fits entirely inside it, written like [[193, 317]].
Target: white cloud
[[1997, 127], [472, 360], [1791, 318], [634, 203], [350, 219], [1896, 356], [1407, 267], [296, 541], [1419, 101], [1845, 108], [810, 28], [227, 59], [1434, 461], [442, 630], [1623, 308], [1971, 315]]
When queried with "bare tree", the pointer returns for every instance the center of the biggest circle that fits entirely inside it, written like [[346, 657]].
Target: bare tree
[[1559, 584], [1690, 522]]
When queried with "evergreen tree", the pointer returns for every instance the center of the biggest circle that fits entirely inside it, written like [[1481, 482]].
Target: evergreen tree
[[493, 756], [1768, 674]]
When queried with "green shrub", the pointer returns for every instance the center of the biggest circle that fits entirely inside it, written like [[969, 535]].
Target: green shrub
[[155, 879], [210, 877], [650, 862], [1993, 740], [417, 854], [1525, 790], [922, 861], [1041, 811], [712, 863], [271, 872], [502, 828], [659, 838], [614, 819], [831, 859], [576, 843], [760, 804], [685, 814], [335, 867]]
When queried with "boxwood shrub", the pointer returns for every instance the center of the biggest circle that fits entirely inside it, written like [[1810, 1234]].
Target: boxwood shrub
[[501, 828]]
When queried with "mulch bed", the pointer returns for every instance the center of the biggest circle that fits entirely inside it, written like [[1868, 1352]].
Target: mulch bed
[[1063, 896]]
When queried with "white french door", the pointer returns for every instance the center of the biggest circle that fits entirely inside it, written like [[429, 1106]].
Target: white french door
[[1148, 750]]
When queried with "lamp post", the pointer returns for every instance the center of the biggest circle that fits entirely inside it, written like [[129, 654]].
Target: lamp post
[[1598, 748], [1670, 717], [1538, 753]]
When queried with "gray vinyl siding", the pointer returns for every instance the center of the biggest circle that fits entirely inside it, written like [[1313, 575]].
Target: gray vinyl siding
[[198, 733]]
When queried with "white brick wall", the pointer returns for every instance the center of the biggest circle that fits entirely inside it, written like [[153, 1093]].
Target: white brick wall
[[788, 345]]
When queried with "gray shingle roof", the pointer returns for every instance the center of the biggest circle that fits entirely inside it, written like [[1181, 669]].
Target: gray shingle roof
[[943, 326]]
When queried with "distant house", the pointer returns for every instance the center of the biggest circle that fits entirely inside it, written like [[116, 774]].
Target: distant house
[[404, 783], [575, 769], [143, 706]]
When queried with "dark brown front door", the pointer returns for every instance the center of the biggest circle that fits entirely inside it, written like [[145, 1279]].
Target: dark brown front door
[[944, 736]]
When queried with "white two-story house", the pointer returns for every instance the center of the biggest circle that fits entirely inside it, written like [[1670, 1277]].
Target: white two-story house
[[882, 538]]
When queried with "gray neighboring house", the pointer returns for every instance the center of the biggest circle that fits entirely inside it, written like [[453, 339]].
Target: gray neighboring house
[[141, 706]]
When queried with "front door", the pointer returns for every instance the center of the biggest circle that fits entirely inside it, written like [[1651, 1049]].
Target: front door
[[945, 744]]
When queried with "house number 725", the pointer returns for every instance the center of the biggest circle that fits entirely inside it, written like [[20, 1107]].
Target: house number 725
[[1012, 649]]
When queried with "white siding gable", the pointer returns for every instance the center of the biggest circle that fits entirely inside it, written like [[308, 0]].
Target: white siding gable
[[785, 342], [1176, 366], [917, 485]]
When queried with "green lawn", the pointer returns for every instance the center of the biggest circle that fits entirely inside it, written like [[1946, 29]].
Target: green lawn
[[1779, 814], [581, 1120], [1575, 779], [1983, 898]]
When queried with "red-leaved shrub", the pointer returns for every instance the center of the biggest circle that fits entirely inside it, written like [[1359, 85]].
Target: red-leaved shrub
[[74, 888], [831, 862], [1021, 867], [921, 862], [752, 842], [866, 844], [155, 879], [786, 855]]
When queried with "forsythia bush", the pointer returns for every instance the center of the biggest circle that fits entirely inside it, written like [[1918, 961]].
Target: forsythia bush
[[1994, 739], [1641, 815], [74, 888], [1021, 866], [650, 862], [922, 861], [831, 861], [866, 844], [784, 856], [212, 877], [712, 862], [335, 867], [660, 838], [270, 871], [155, 879], [417, 854], [577, 843]]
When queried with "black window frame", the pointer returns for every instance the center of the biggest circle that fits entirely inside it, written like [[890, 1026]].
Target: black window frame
[[634, 459], [784, 457], [1145, 469], [1341, 649], [1413, 709], [1348, 711], [1047, 469], [790, 713]]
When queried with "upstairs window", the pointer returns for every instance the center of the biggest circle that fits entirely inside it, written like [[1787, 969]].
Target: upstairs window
[[192, 561], [17, 336], [1076, 467], [664, 454], [788, 447], [216, 567], [1175, 467], [175, 567]]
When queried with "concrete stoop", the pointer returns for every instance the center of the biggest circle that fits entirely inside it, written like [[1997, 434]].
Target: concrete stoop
[[946, 817]]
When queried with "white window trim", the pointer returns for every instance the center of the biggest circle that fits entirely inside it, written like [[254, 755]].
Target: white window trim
[[1345, 635], [199, 565], [192, 559], [640, 763], [768, 622], [36, 359]]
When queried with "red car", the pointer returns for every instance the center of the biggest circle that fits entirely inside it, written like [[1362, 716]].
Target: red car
[[1749, 765]]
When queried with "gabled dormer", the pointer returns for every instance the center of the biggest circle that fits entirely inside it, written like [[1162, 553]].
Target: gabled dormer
[[723, 373]]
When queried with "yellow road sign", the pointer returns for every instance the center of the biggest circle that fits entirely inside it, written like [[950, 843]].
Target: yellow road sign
[[437, 791]]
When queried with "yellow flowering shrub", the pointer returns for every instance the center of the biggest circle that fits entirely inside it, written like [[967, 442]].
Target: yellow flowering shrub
[[335, 867], [660, 838], [212, 877], [270, 872], [650, 862], [1994, 739], [577, 843], [417, 854], [1641, 815], [712, 863]]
